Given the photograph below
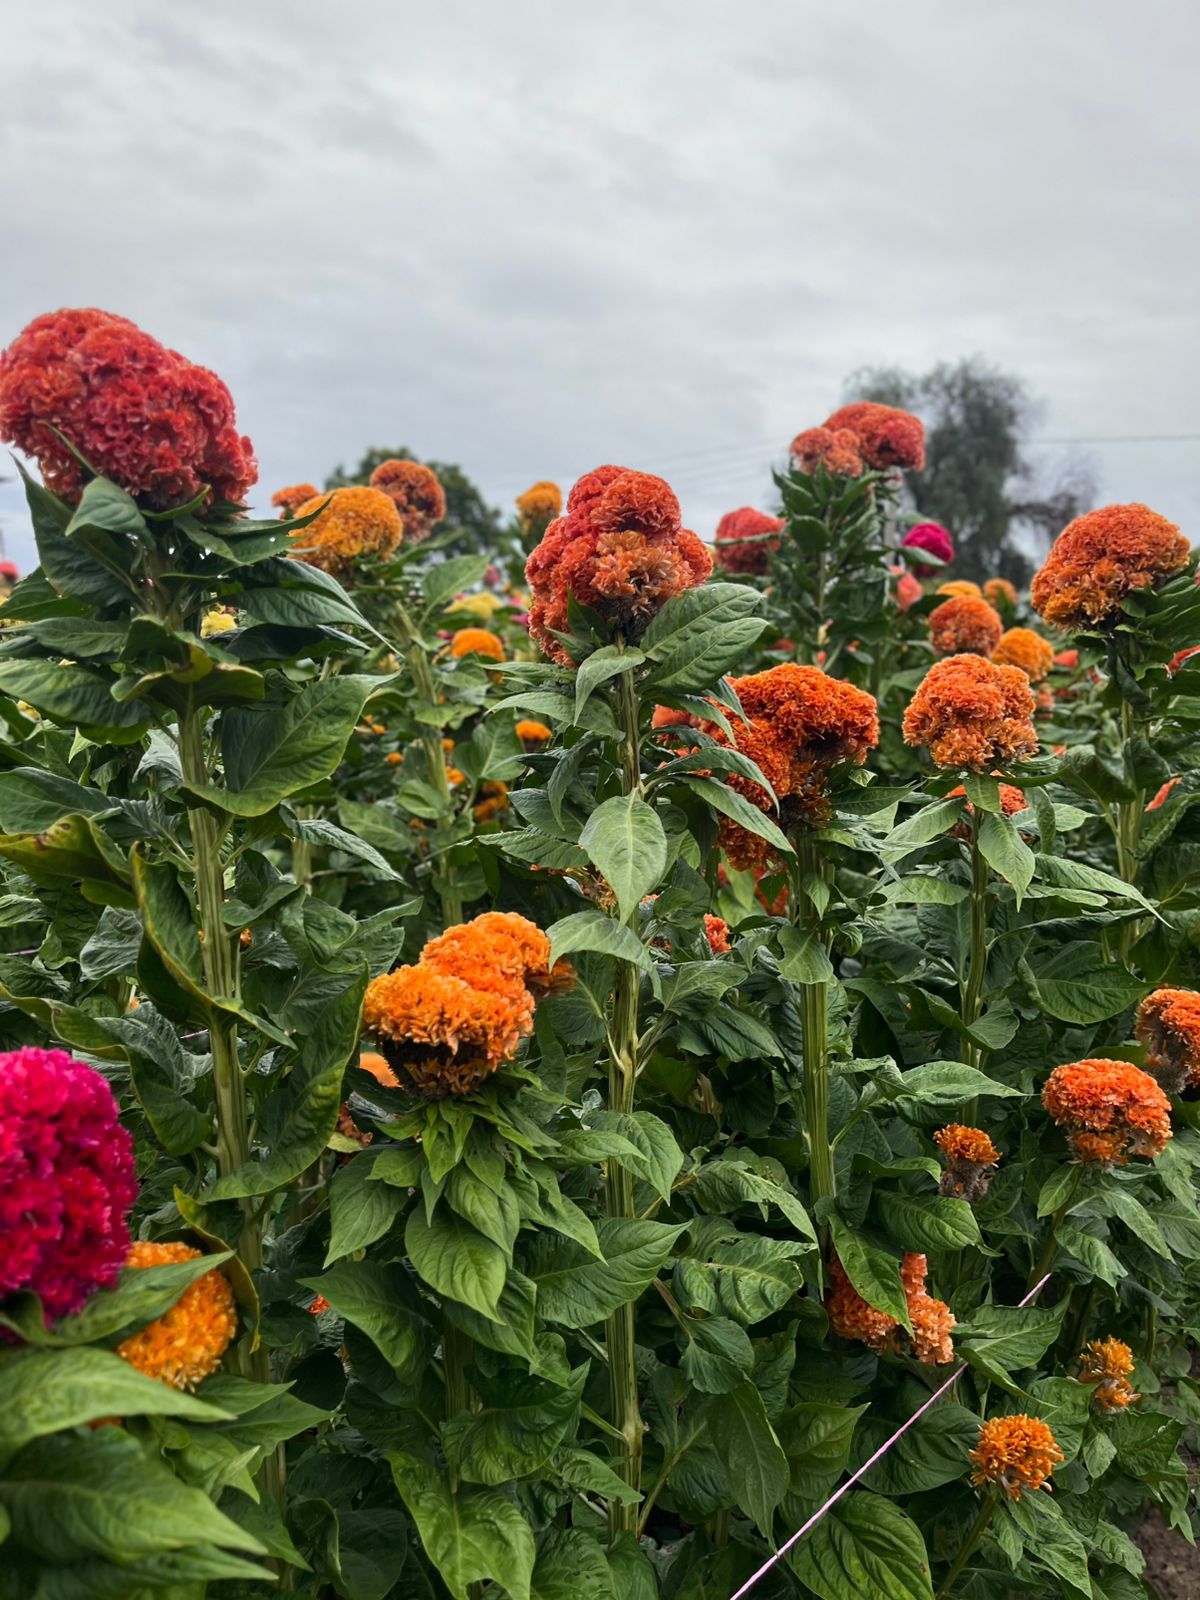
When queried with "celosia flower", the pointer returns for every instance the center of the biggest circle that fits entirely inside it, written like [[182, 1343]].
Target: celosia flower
[[476, 642], [139, 413], [971, 1161], [746, 539], [1180, 657], [800, 725], [217, 621], [290, 500], [533, 734], [850, 1317], [620, 549], [968, 712], [838, 450], [1000, 592], [481, 606], [1161, 796], [1069, 659], [717, 931], [540, 504], [1168, 1024], [416, 493], [1021, 647], [319, 1305], [371, 1061], [887, 436], [1100, 558], [185, 1345], [934, 540], [1107, 1363], [960, 589], [1110, 1109], [908, 591], [355, 523], [668, 717], [964, 625], [1018, 1453], [493, 800], [66, 1180]]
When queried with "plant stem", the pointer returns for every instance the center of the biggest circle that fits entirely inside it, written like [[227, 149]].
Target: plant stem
[[1127, 832], [970, 1544], [814, 1020], [435, 757], [1044, 1260], [972, 989], [457, 1351]]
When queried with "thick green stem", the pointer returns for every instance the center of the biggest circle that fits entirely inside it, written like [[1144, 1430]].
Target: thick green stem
[[1128, 832], [973, 985], [1050, 1245], [970, 1544], [814, 1021]]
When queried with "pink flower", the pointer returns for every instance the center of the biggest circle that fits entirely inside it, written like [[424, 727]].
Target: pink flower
[[929, 536]]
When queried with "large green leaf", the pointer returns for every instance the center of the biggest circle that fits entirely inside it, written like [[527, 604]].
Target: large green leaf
[[625, 841], [75, 697], [31, 800], [374, 1298], [360, 1211], [738, 809], [571, 1565], [1002, 847], [929, 1222], [746, 1276], [1077, 985], [1001, 1340], [141, 1294], [576, 1290], [865, 1548], [456, 1260], [873, 1272], [754, 1459], [817, 1437], [592, 930], [658, 1158], [516, 1434], [470, 1536]]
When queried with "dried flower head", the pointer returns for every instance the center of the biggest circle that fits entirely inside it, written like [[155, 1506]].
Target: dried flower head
[[838, 450], [539, 504], [1110, 1109], [963, 625], [533, 734], [290, 500], [1107, 1363], [142, 415], [934, 540], [746, 539], [1168, 1024], [968, 712], [1021, 647], [416, 493], [66, 1180], [1018, 1453], [1100, 558], [971, 1161], [1000, 592], [185, 1345], [476, 642], [851, 1317], [355, 523], [887, 436]]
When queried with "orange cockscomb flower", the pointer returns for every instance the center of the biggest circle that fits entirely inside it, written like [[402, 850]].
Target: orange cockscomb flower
[[746, 539], [800, 725], [185, 1344], [371, 1061], [1107, 1363], [960, 589], [539, 504], [717, 932], [1110, 1109], [887, 437], [416, 493], [1100, 558], [968, 712], [1018, 1453], [1160, 798], [1168, 1024], [1021, 647], [492, 802], [1000, 592], [971, 1161], [476, 642], [851, 1317], [838, 450], [962, 625], [355, 523], [533, 734], [1067, 659], [621, 549], [290, 500]]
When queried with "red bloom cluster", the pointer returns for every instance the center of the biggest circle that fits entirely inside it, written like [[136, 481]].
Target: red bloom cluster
[[141, 414], [716, 930], [1110, 1109], [933, 538], [837, 450], [416, 492], [969, 712], [1100, 558], [744, 540], [887, 436], [66, 1180], [851, 1317], [620, 548], [1168, 1024]]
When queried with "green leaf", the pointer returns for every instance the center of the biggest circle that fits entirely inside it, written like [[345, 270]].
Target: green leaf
[[374, 1298], [932, 1452], [608, 662], [75, 697], [941, 1085], [657, 1157], [1001, 1340], [923, 889], [864, 1548], [514, 1437], [738, 809], [719, 1355], [874, 1273], [456, 1260], [1077, 985], [1002, 847], [926, 825], [319, 830], [470, 1536], [513, 1334], [449, 578], [580, 1469], [572, 1566], [758, 1469], [592, 930], [31, 800], [1093, 1253], [746, 1276], [690, 617], [360, 1211], [624, 840], [141, 1294], [817, 1437], [929, 1223], [805, 958], [576, 1290], [495, 1213]]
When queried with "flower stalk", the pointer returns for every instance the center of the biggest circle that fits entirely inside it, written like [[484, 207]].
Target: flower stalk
[[970, 1544], [814, 1021]]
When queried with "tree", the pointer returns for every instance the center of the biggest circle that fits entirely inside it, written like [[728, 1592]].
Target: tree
[[978, 479], [466, 509]]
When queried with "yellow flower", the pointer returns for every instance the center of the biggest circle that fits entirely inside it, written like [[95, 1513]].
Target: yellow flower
[[185, 1344], [482, 606], [217, 621]]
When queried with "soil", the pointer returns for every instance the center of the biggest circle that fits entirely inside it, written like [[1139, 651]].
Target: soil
[[1172, 1564]]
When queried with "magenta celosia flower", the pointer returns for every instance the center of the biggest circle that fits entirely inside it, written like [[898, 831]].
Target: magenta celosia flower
[[929, 536], [66, 1180]]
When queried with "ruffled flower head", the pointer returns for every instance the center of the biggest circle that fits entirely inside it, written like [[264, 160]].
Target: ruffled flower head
[[448, 1021], [887, 436], [140, 414], [1110, 1109], [66, 1180], [934, 540], [290, 500], [540, 504], [416, 493], [800, 725], [716, 930], [1107, 1363], [908, 591], [533, 735], [476, 642], [1100, 558], [960, 589], [185, 1345], [355, 524], [1022, 647], [850, 1317], [964, 625], [968, 712], [1168, 1024], [838, 450], [971, 1161], [1018, 1453], [621, 549], [746, 539], [1000, 592]]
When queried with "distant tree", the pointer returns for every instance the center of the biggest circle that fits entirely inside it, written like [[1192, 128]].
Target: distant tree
[[978, 480], [466, 509]]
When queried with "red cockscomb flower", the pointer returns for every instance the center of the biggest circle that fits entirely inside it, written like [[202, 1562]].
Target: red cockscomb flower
[[964, 625], [66, 1180], [934, 540], [1100, 558], [838, 450], [968, 712], [1022, 647], [1168, 1024], [140, 414], [888, 437], [1110, 1109], [745, 540], [416, 493]]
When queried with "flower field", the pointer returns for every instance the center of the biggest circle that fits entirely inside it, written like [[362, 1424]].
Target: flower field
[[545, 1070]]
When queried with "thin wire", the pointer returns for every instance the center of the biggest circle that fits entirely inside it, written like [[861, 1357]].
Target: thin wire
[[854, 1477]]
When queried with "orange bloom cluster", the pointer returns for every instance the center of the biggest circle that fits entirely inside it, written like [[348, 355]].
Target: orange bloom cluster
[[493, 800], [185, 1344], [1107, 1363], [1067, 659], [801, 724], [1012, 801], [887, 436], [416, 493], [532, 734], [371, 1061], [960, 589], [448, 1021], [717, 930], [476, 642], [1000, 592], [1160, 797], [744, 541], [290, 500], [1168, 1024], [838, 450], [851, 1317], [1110, 1109], [1021, 647], [1016, 1452], [621, 548], [355, 523], [540, 503], [968, 712], [964, 624], [1100, 558], [971, 1161]]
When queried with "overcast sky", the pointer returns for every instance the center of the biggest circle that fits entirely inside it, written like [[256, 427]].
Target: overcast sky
[[531, 237]]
